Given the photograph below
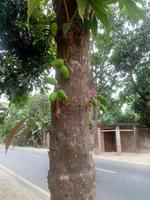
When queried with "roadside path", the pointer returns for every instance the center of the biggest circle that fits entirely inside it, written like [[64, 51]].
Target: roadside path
[[11, 189], [115, 180]]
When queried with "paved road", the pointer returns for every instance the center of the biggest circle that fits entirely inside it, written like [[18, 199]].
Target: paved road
[[115, 180]]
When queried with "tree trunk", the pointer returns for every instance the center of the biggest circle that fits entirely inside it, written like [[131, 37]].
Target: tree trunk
[[72, 173]]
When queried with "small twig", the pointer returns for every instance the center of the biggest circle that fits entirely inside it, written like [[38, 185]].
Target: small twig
[[58, 8], [67, 14], [71, 21]]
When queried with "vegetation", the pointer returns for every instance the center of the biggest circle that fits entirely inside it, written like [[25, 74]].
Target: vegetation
[[25, 52], [132, 61], [34, 129], [124, 69], [29, 51]]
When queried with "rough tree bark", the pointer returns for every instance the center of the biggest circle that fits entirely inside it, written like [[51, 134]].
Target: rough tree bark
[[72, 173]]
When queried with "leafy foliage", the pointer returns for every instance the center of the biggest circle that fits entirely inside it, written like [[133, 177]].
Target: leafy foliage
[[115, 114], [28, 46], [131, 59], [3, 112], [120, 63], [24, 51], [27, 49], [37, 114], [104, 74]]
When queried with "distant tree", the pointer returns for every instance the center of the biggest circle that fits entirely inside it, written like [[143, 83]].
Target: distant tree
[[3, 112], [25, 51], [131, 59], [104, 74], [39, 118], [34, 129], [116, 114]]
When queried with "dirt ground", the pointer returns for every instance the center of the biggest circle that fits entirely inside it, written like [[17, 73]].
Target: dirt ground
[[11, 189]]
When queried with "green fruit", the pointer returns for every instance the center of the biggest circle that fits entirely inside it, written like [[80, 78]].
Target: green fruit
[[58, 63], [62, 95], [94, 102], [54, 29], [64, 71], [50, 80], [53, 96], [65, 28]]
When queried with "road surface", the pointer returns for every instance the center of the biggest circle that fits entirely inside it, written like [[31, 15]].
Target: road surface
[[115, 180]]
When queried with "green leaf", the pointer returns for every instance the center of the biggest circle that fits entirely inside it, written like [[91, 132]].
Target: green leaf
[[53, 96], [65, 28], [50, 80], [131, 7], [91, 25], [32, 4], [101, 11], [101, 98], [54, 29], [62, 95], [58, 63], [13, 132], [64, 72], [38, 124], [87, 25], [94, 26], [102, 108], [121, 4], [110, 1], [21, 99], [147, 97], [81, 7], [94, 102]]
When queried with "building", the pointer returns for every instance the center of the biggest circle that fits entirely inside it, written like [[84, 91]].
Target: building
[[122, 138]]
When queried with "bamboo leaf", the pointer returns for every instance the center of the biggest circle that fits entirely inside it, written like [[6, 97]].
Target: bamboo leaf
[[13, 132]]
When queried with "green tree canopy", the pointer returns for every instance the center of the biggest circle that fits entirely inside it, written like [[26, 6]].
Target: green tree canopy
[[131, 59], [25, 51]]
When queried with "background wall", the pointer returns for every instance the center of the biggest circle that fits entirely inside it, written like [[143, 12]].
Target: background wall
[[143, 139]]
